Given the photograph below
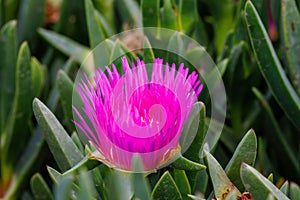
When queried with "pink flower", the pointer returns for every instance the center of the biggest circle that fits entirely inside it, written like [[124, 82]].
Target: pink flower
[[273, 34], [129, 114]]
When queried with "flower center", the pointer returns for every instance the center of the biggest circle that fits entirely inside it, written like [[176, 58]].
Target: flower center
[[156, 117]]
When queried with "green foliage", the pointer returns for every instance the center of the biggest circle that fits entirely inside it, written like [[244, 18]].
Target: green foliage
[[221, 183], [259, 186], [96, 34], [29, 23], [150, 16], [60, 143], [271, 68], [185, 164], [9, 50], [65, 45], [65, 89], [140, 184], [261, 74], [245, 152], [39, 188], [291, 40], [166, 188]]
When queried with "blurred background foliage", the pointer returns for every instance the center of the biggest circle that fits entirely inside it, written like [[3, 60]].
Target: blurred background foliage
[[256, 46]]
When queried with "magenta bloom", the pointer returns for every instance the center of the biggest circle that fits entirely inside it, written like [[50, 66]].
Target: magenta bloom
[[129, 114]]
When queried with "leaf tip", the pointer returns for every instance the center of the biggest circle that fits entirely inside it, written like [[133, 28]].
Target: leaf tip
[[244, 165], [35, 101]]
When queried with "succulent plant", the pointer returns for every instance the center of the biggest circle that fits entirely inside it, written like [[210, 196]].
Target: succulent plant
[[250, 46]]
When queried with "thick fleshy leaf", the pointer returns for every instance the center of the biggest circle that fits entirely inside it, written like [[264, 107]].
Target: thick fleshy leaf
[[54, 175], [240, 32], [105, 50], [168, 16], [221, 183], [150, 13], [65, 89], [88, 162], [108, 29], [194, 124], [140, 185], [199, 55], [186, 14], [11, 9], [96, 34], [166, 188], [106, 8], [86, 186], [8, 57], [17, 124], [67, 46], [291, 39], [285, 188], [53, 98], [245, 152], [270, 66], [77, 141], [198, 181], [38, 75], [261, 8], [259, 186], [62, 189], [116, 51], [28, 20], [222, 66], [99, 183], [287, 151], [294, 191], [182, 183], [115, 190], [148, 52], [39, 188], [60, 143], [186, 164], [175, 48]]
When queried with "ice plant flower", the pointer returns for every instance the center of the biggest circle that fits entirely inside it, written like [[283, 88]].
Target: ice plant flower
[[129, 113]]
